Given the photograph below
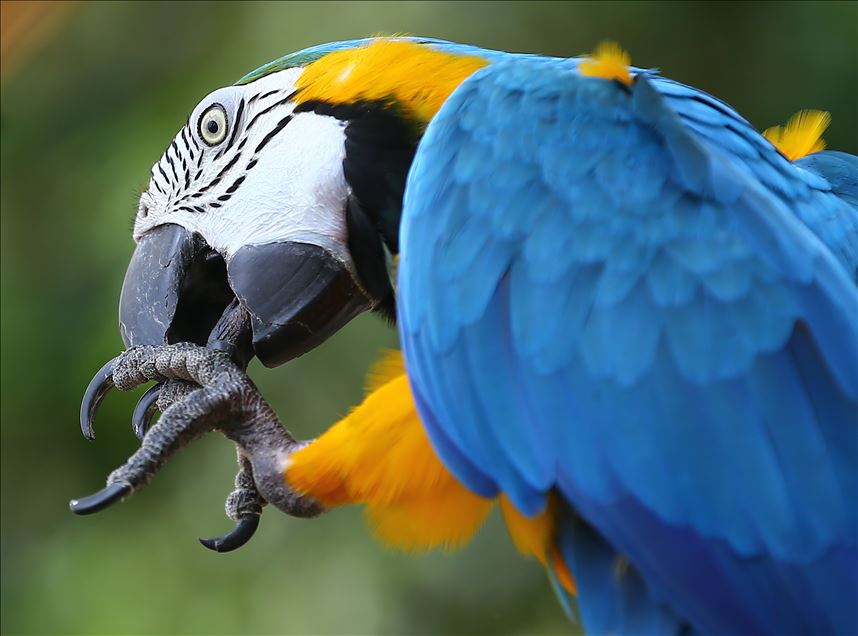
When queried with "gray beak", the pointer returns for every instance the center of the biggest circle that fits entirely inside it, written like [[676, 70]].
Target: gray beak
[[174, 290], [177, 287]]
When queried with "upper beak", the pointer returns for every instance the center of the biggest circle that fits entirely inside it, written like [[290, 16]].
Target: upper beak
[[171, 291], [177, 287]]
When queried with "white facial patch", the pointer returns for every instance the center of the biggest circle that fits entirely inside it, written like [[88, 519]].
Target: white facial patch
[[277, 177]]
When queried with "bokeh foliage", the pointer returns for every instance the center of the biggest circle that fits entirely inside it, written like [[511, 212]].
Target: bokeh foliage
[[84, 115]]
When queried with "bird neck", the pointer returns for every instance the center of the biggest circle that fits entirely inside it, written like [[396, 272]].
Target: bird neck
[[415, 77]]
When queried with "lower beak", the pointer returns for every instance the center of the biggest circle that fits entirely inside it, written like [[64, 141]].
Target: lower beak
[[297, 295], [177, 287]]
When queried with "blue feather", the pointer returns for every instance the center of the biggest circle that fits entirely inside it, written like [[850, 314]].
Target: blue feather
[[613, 600], [626, 295], [840, 172]]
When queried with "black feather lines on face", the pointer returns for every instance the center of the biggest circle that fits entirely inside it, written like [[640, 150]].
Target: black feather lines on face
[[380, 144]]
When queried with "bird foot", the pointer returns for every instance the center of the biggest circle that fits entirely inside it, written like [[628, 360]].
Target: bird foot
[[203, 389], [244, 506]]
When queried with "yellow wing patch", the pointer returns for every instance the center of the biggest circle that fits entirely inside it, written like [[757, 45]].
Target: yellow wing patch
[[608, 61], [534, 536], [386, 369], [379, 455], [448, 519], [414, 76], [802, 134]]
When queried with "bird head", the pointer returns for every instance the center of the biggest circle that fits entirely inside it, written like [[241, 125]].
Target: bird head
[[284, 192]]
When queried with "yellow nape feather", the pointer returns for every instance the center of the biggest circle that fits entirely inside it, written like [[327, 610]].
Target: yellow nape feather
[[417, 78], [802, 134], [608, 61]]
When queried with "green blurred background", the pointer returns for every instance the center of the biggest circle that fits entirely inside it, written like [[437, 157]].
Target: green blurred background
[[91, 95]]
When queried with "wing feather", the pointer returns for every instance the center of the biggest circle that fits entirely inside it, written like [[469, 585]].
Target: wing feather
[[628, 295]]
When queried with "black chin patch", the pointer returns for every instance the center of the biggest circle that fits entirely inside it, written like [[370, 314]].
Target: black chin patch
[[370, 262], [380, 146]]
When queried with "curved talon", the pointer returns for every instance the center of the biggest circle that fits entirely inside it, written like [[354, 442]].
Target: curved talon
[[144, 410], [243, 531], [98, 387], [100, 500]]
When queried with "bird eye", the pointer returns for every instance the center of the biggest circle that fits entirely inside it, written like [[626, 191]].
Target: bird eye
[[213, 125]]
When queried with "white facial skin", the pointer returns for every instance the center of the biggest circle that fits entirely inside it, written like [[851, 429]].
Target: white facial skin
[[293, 188]]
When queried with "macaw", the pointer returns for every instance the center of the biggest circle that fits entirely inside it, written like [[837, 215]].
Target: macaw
[[626, 317]]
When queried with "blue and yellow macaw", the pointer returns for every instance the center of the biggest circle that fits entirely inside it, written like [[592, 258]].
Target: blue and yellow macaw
[[626, 317]]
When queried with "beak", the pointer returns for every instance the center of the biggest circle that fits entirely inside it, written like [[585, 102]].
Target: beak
[[298, 295], [174, 290], [177, 287]]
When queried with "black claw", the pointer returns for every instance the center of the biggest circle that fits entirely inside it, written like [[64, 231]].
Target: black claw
[[98, 387], [243, 531], [145, 409], [100, 500]]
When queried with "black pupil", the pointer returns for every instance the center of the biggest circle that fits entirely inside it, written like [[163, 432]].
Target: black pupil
[[212, 126]]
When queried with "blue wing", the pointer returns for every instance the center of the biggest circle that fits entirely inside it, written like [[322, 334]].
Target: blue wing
[[628, 295]]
